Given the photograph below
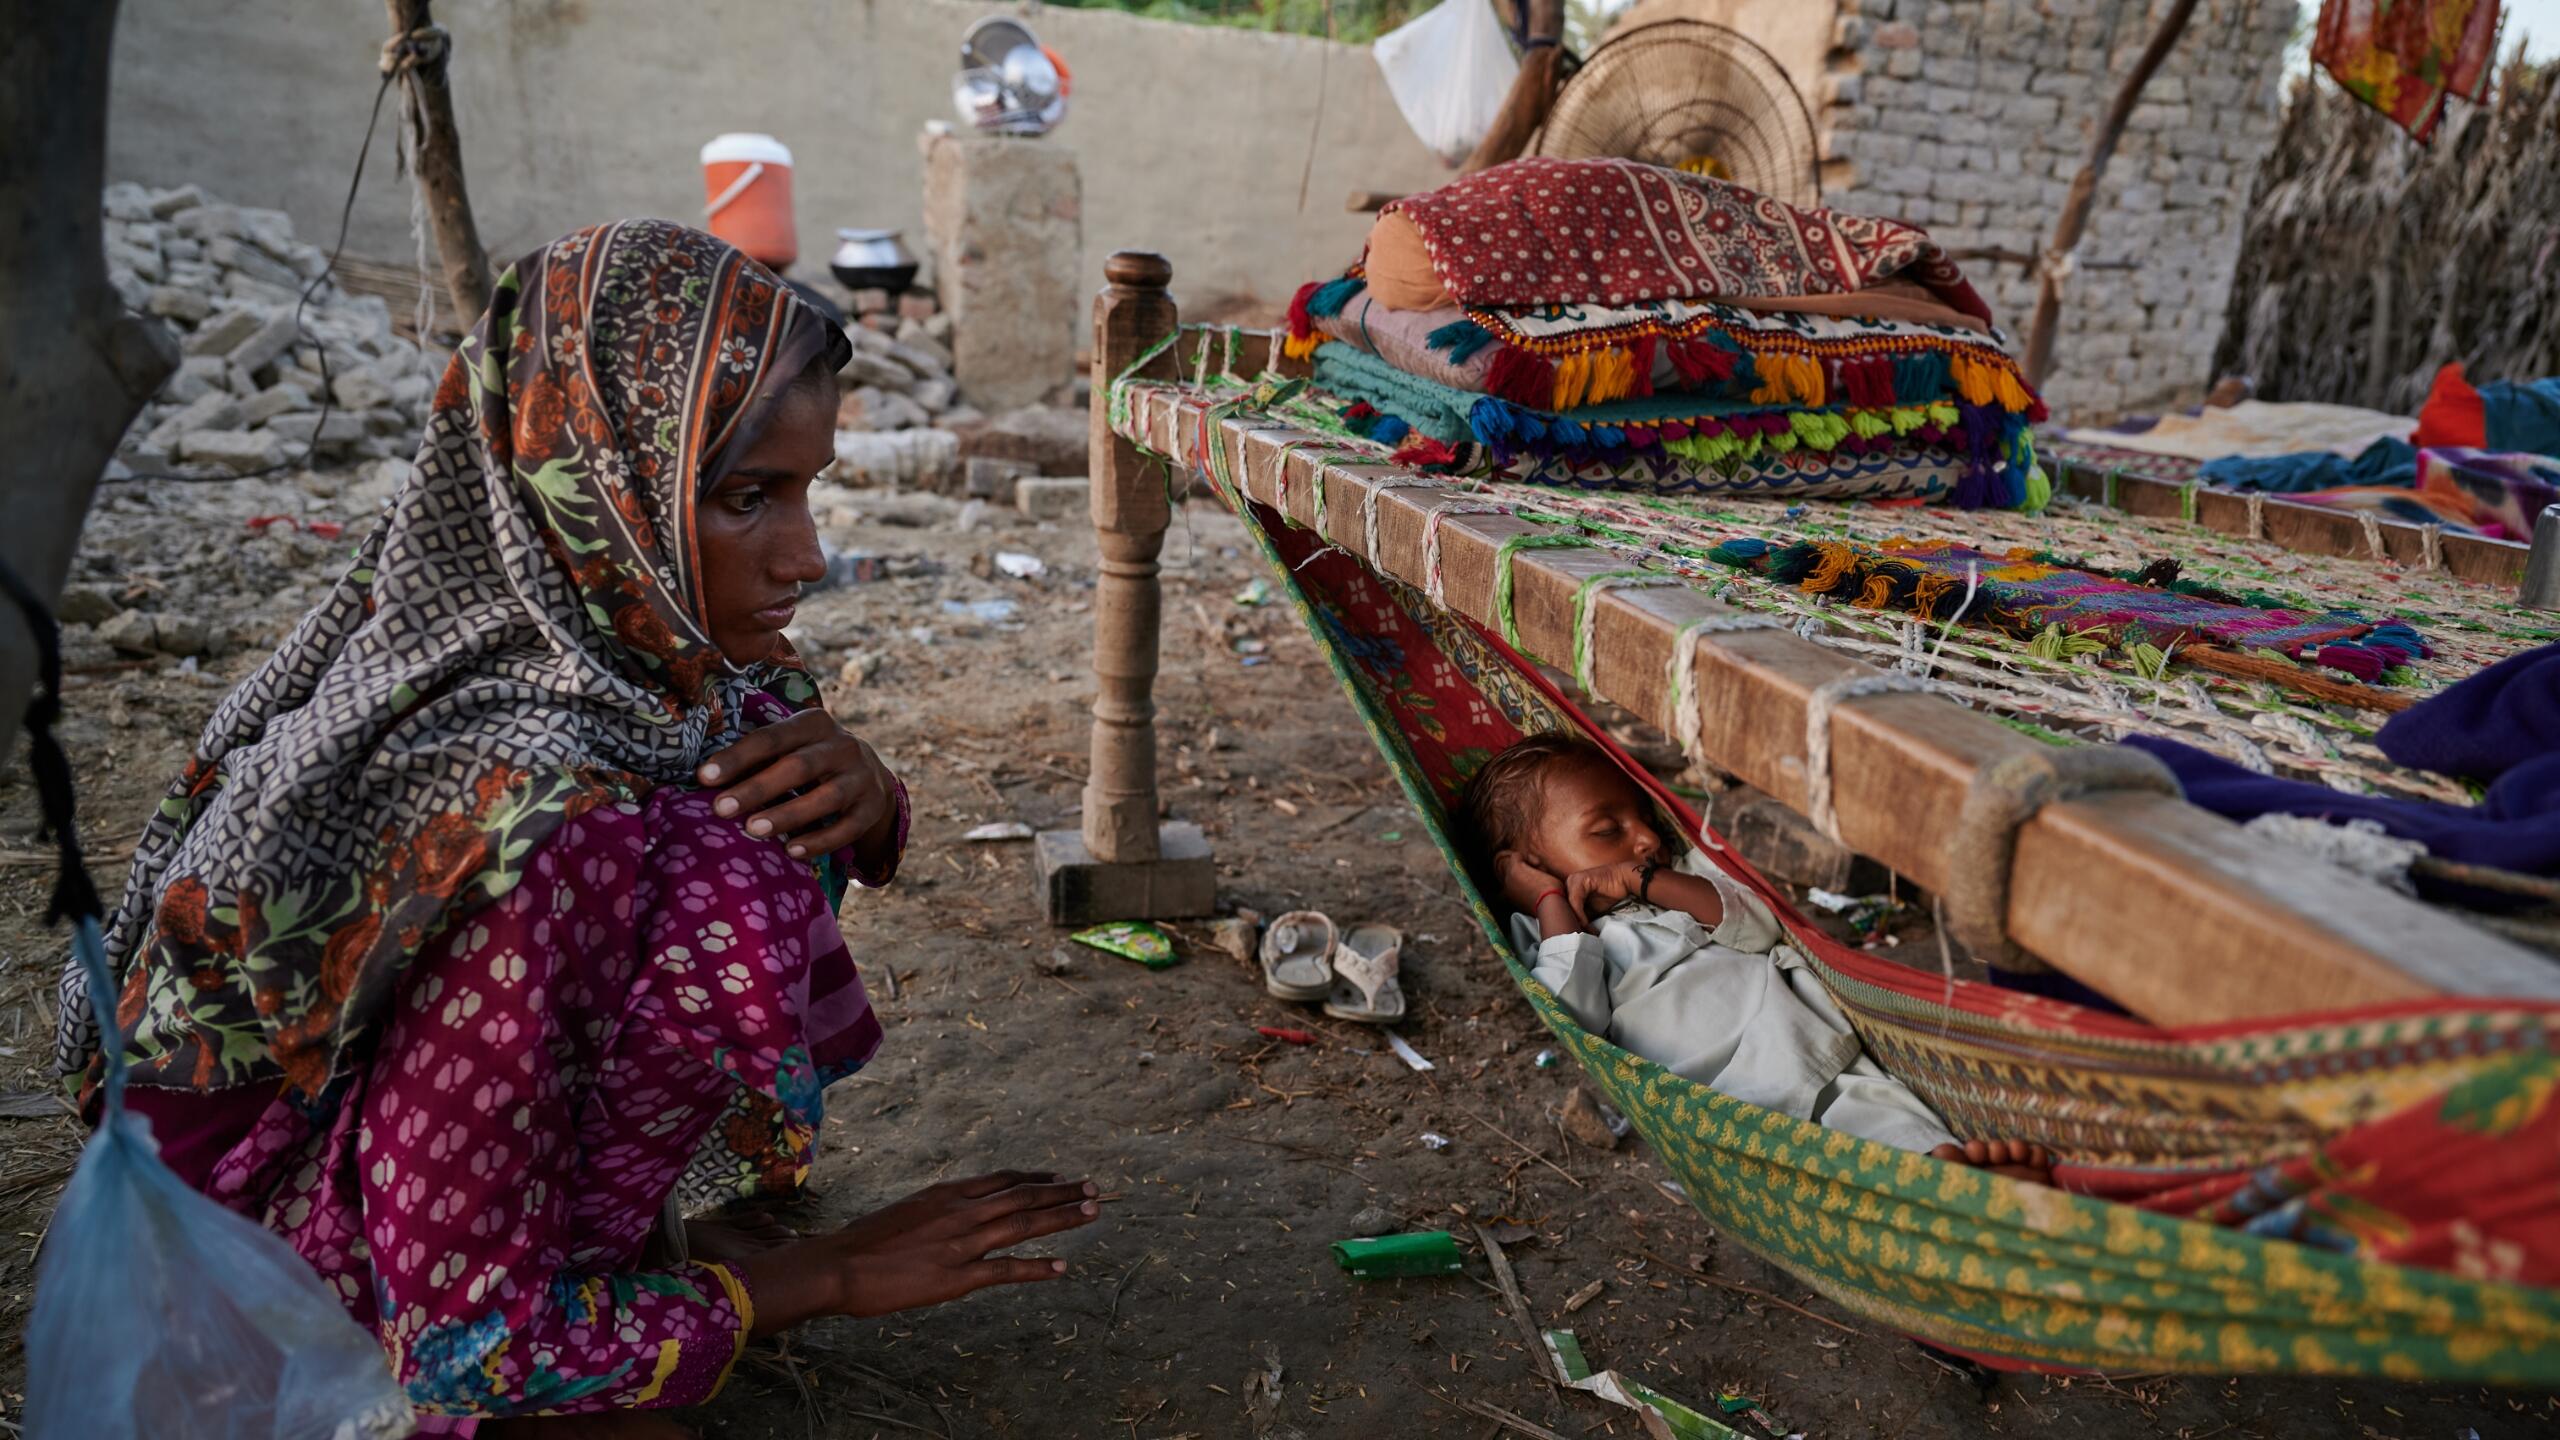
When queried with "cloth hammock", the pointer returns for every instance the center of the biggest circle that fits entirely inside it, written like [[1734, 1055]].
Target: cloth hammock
[[2375, 1193]]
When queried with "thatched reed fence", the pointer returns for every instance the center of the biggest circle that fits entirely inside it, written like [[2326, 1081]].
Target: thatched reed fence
[[2368, 260]]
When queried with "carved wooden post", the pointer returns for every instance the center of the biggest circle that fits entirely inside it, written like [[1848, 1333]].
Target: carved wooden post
[[1130, 513], [1124, 864], [439, 160]]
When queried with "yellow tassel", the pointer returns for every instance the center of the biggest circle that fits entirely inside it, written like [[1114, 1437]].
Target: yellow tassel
[[1877, 594], [1573, 380], [1812, 384], [1837, 563], [1299, 347], [2013, 395], [1613, 375], [1973, 381]]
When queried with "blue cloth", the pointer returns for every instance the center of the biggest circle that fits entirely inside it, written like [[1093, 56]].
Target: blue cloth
[[2503, 717], [2516, 826], [2521, 416], [2384, 462]]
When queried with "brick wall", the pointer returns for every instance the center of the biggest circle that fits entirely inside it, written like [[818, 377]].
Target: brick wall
[[1970, 117]]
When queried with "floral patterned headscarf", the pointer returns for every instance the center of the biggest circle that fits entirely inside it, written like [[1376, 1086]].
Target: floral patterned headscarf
[[520, 639]]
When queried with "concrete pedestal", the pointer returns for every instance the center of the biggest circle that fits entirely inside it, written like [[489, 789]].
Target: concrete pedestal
[[1004, 220], [1077, 889]]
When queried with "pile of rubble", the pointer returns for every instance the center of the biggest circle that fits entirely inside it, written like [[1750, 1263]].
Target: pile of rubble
[[248, 393]]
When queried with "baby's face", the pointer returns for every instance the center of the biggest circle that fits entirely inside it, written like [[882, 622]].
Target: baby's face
[[1590, 814]]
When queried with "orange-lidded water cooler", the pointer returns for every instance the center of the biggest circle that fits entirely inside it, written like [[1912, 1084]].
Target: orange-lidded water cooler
[[746, 196]]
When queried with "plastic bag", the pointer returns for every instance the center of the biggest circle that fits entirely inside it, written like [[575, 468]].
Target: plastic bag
[[1450, 70], [160, 1315]]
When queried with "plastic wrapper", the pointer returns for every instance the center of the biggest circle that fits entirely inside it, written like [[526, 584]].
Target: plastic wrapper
[[160, 1315], [1449, 71]]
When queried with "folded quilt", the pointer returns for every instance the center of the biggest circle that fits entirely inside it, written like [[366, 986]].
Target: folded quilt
[[1658, 436]]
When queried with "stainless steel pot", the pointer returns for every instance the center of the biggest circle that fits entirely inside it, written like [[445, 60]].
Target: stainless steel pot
[[873, 260]]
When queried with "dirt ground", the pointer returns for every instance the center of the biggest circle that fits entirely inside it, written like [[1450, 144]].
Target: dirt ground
[[1205, 1303]]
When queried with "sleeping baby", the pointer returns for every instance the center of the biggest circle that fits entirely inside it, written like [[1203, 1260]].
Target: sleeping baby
[[1677, 962]]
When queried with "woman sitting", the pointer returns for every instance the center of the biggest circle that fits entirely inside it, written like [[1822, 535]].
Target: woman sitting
[[444, 960]]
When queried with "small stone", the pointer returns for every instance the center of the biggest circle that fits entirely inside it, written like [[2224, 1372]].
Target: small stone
[[131, 631], [870, 302], [912, 306], [1052, 441], [393, 423], [993, 480], [914, 336], [84, 605], [125, 200], [181, 635], [226, 331], [340, 428], [169, 302], [263, 347], [1236, 935], [238, 451], [1373, 1221], [361, 389], [322, 484], [213, 410], [858, 670], [1061, 500], [939, 327], [1585, 1123], [897, 412], [197, 377], [273, 401], [865, 368], [169, 202], [384, 481], [937, 395]]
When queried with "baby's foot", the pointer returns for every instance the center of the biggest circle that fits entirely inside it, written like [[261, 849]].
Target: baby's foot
[[2017, 1159]]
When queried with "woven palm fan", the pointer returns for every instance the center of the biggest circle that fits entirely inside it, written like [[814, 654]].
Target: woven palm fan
[[1692, 95]]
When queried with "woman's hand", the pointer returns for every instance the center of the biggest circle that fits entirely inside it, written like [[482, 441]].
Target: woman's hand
[[1602, 886], [811, 782], [936, 1245], [1523, 884]]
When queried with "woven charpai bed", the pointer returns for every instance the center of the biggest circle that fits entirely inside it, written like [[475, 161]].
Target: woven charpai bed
[[2323, 1140]]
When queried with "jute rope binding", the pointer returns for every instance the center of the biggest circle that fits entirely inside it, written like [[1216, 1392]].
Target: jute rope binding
[[2372, 534], [1827, 697], [1433, 584], [2257, 500], [1688, 722], [2005, 795], [1586, 608]]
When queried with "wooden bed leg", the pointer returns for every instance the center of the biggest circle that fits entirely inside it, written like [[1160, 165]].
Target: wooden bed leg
[[1123, 864]]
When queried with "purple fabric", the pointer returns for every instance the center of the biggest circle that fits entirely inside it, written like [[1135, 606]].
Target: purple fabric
[[2516, 825], [2500, 718], [655, 1008]]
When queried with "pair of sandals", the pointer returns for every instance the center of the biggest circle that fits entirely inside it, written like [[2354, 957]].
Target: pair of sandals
[[1305, 958]]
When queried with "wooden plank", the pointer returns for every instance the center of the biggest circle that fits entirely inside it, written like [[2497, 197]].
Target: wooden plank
[[2172, 910], [2307, 529]]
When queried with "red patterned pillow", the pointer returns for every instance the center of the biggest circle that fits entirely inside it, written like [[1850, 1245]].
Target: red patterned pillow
[[1544, 231]]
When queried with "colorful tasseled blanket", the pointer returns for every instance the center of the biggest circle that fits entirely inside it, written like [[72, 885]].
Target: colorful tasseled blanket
[[2027, 593], [1589, 315]]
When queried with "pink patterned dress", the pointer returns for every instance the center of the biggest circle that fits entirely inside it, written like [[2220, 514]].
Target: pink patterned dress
[[654, 1010]]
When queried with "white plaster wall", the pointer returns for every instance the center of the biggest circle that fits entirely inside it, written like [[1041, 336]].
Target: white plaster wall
[[1192, 141]]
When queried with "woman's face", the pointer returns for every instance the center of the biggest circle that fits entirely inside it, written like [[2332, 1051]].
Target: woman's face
[[759, 543]]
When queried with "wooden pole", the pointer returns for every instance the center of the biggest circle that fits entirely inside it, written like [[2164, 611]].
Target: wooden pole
[[2084, 190], [75, 364], [438, 158], [1130, 514], [1533, 91]]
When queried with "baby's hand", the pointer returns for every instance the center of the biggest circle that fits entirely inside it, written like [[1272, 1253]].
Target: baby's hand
[[1603, 886], [1522, 882]]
